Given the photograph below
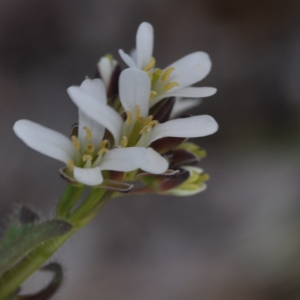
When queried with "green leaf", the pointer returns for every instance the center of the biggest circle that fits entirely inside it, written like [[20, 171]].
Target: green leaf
[[24, 220], [12, 253]]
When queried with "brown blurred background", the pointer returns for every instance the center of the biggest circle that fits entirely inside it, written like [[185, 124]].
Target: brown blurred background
[[240, 239]]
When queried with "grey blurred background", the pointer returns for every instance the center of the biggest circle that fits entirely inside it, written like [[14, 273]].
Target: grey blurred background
[[240, 239]]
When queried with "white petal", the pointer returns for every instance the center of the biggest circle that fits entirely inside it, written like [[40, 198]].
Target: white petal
[[96, 128], [182, 105], [188, 92], [127, 59], [124, 159], [89, 176], [134, 87], [132, 158], [144, 44], [97, 111], [190, 69], [44, 140], [95, 88], [133, 54], [105, 69], [196, 126], [154, 163]]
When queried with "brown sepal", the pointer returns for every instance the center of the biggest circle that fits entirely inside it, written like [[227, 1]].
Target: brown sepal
[[168, 173], [113, 88], [181, 157], [64, 175], [166, 144], [162, 110], [116, 175], [116, 186], [171, 182]]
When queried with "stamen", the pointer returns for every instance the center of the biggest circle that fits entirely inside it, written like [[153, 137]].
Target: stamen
[[103, 144], [102, 151], [153, 123], [129, 116], [150, 75], [148, 120], [150, 65], [124, 141], [147, 127], [75, 141], [156, 75], [71, 165], [86, 157], [88, 133], [165, 76], [137, 112], [90, 148], [152, 95], [170, 85]]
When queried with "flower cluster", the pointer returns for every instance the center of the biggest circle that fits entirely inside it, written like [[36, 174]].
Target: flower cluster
[[126, 130]]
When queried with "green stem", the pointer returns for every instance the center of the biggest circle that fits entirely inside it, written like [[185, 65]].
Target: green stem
[[87, 205], [15, 277], [93, 203], [68, 200]]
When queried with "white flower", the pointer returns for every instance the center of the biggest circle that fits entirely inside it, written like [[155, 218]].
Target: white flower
[[139, 129], [175, 80], [87, 155]]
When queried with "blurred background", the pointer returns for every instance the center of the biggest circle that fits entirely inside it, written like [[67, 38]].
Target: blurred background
[[238, 240]]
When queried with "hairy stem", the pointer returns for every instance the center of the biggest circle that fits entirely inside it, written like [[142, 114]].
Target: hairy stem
[[94, 202]]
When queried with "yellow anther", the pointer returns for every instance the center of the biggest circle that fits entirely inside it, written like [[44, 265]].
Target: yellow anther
[[152, 95], [170, 85], [90, 148], [86, 157], [129, 116], [71, 165], [148, 120], [137, 112], [152, 123], [102, 151], [150, 75], [165, 76], [75, 141], [103, 144], [88, 133], [150, 65], [124, 141], [145, 129]]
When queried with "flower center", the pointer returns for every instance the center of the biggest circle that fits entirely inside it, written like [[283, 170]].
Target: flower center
[[87, 155], [160, 82], [135, 128]]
